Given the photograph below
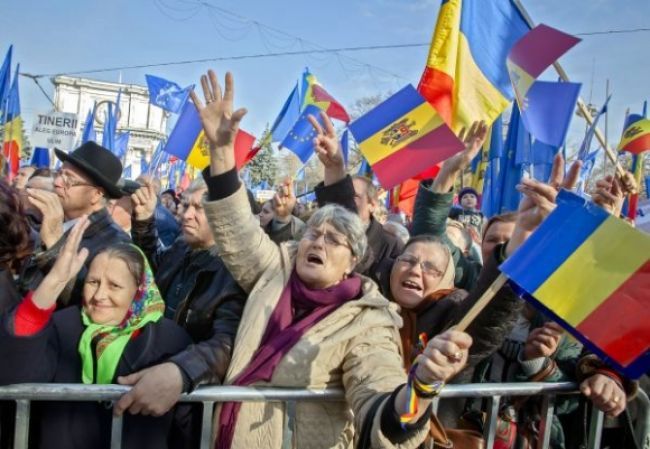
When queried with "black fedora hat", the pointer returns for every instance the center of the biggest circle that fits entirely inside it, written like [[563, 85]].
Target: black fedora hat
[[98, 163]]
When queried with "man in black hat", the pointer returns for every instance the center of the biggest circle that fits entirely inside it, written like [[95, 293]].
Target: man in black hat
[[86, 180]]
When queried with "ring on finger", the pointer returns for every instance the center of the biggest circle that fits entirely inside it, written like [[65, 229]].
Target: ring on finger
[[456, 356]]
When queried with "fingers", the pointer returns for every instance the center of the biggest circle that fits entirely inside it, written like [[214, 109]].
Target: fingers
[[571, 179], [461, 339], [553, 326], [461, 134], [131, 379], [214, 84], [195, 99], [316, 125], [74, 239], [557, 171], [237, 117], [229, 94], [207, 93], [329, 127], [123, 403]]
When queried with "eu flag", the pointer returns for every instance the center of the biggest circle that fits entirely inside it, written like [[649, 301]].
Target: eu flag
[[89, 133], [40, 158], [167, 94], [5, 84], [300, 139], [121, 144]]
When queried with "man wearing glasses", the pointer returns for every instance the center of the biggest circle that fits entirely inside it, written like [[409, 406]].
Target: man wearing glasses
[[86, 181]]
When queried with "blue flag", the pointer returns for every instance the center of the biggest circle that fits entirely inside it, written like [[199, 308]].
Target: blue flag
[[121, 144], [345, 145], [126, 173], [5, 84], [108, 136], [40, 158], [167, 94], [288, 116], [548, 109], [89, 133], [156, 158], [144, 166], [490, 203], [585, 147], [300, 139]]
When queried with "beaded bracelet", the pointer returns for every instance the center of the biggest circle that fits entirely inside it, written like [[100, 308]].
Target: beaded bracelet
[[416, 389]]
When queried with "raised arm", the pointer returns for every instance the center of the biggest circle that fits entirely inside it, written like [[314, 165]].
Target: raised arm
[[242, 244]]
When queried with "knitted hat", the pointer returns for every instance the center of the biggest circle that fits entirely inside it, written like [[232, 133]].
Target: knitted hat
[[465, 191]]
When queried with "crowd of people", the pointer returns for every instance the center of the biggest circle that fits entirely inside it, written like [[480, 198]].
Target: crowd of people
[[165, 292]]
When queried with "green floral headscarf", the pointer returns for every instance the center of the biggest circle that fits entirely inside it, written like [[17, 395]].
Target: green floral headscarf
[[147, 307]]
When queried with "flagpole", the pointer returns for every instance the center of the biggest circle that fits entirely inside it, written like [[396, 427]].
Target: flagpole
[[620, 171]]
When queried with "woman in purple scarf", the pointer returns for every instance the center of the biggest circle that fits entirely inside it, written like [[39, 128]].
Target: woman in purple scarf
[[309, 321]]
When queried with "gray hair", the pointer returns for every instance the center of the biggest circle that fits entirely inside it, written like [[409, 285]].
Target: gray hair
[[398, 230], [345, 222], [195, 186]]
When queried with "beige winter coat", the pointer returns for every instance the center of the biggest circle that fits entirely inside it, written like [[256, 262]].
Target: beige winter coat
[[356, 347]]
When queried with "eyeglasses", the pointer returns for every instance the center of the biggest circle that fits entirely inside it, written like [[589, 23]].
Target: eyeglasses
[[330, 238], [426, 266], [69, 182]]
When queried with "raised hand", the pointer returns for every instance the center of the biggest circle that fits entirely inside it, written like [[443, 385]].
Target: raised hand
[[328, 149], [284, 201], [50, 206], [444, 357], [452, 167], [543, 341], [609, 195], [67, 266], [220, 123], [144, 202]]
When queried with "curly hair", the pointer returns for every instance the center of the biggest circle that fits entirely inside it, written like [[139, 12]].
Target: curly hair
[[15, 242]]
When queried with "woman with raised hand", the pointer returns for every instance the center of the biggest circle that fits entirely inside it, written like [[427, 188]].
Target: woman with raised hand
[[119, 330], [310, 321]]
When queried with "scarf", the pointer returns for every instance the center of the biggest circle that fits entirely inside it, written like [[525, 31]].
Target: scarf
[[283, 331], [109, 341]]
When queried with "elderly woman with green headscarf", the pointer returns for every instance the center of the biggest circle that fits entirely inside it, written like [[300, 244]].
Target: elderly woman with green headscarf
[[119, 330]]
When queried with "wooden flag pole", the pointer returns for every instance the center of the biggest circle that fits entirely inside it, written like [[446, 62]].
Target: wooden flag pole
[[620, 171], [483, 301]]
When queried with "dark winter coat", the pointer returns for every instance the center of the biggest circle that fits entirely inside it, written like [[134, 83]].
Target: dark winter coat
[[52, 355], [201, 296]]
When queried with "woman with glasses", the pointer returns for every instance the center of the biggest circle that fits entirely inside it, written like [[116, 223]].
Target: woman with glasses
[[311, 322]]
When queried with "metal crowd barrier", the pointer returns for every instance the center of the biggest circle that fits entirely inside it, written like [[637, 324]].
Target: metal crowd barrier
[[23, 394]]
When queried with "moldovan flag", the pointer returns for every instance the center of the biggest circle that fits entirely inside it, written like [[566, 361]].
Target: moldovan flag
[[591, 272], [404, 136], [466, 78], [636, 137], [13, 132], [187, 141]]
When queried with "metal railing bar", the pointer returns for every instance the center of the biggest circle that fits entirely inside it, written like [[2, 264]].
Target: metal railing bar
[[116, 432], [21, 428], [595, 429], [491, 421], [206, 425], [546, 422], [81, 392]]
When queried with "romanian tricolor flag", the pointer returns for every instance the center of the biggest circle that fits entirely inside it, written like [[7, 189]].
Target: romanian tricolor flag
[[591, 271], [636, 137], [187, 141], [404, 136], [314, 93], [466, 77], [13, 129]]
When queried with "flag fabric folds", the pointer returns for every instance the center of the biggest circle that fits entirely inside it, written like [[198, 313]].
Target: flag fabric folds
[[546, 107], [40, 157], [300, 139], [404, 136], [89, 133], [314, 94], [110, 128], [5, 83], [13, 136], [636, 137], [187, 141], [345, 145], [126, 173], [466, 78], [167, 94], [590, 270], [288, 116], [121, 144]]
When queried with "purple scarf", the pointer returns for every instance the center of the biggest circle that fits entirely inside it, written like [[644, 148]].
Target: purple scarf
[[282, 332]]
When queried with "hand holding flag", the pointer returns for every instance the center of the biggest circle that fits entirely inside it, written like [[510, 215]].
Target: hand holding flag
[[220, 123]]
